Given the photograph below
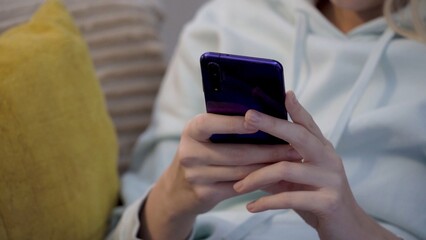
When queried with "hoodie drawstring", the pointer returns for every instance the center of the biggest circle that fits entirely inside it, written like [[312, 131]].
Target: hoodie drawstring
[[360, 85], [299, 55], [299, 58]]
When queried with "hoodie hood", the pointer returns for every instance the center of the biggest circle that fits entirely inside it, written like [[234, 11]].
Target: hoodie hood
[[319, 25], [309, 21]]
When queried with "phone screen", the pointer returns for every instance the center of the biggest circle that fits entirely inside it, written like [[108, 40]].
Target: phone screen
[[233, 84]]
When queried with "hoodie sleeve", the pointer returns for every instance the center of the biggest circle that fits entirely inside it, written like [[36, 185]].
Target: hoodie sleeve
[[179, 99]]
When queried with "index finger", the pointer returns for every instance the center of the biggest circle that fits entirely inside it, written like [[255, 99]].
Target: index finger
[[306, 143], [204, 125], [300, 116]]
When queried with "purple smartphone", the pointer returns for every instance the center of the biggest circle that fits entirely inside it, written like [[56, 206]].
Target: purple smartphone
[[233, 84]]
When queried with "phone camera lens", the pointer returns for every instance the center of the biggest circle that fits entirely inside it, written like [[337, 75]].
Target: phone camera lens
[[214, 71]]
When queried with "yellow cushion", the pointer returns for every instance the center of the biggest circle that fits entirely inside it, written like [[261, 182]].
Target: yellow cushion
[[58, 148]]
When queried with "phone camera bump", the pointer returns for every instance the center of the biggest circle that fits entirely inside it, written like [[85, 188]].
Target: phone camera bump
[[214, 72]]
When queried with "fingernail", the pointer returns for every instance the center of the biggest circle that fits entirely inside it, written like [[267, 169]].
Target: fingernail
[[293, 98], [238, 186], [251, 206], [253, 116]]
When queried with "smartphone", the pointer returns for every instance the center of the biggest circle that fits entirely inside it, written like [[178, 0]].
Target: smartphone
[[233, 84]]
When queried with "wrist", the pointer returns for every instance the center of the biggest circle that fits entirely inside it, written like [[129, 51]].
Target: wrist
[[371, 229], [161, 217]]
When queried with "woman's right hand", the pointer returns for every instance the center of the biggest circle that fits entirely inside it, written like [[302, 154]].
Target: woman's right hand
[[202, 174]]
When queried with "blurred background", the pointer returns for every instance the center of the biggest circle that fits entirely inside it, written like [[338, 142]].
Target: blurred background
[[130, 42], [176, 14]]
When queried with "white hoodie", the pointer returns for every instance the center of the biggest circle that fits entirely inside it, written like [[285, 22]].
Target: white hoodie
[[365, 89]]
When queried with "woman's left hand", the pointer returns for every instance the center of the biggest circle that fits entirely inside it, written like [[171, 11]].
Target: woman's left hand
[[316, 188]]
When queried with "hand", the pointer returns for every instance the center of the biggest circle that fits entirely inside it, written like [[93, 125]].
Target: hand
[[203, 173], [317, 187]]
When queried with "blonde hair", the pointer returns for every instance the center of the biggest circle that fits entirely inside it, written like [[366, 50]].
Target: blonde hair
[[410, 21]]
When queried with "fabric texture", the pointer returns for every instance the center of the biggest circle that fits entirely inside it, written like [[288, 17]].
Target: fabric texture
[[58, 148], [382, 142], [125, 46], [124, 42]]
